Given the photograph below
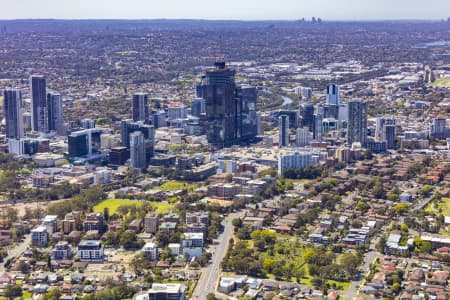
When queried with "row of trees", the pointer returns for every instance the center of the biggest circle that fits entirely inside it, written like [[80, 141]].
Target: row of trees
[[82, 202]]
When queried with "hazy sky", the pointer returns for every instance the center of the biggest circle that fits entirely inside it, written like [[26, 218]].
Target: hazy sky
[[225, 9]]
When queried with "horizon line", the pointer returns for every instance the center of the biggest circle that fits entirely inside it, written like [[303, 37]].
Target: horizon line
[[235, 20]]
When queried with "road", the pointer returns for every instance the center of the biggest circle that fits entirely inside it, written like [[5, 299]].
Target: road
[[422, 203], [16, 251], [369, 258], [210, 274]]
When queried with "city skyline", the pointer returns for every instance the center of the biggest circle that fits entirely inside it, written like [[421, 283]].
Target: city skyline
[[232, 10]]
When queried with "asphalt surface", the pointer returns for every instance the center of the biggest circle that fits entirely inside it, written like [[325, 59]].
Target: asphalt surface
[[16, 251], [210, 274], [369, 258]]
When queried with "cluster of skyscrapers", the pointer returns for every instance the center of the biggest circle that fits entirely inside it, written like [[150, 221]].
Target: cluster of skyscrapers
[[313, 121], [46, 111]]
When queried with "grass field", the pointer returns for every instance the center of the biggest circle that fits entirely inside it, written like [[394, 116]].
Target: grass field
[[172, 186], [445, 82], [444, 205], [113, 204]]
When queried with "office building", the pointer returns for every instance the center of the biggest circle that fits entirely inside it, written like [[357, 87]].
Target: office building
[[128, 127], [307, 116], [389, 135], [294, 160], [246, 118], [39, 110], [329, 111], [292, 115], [80, 143], [12, 108], [438, 128], [303, 136], [119, 155], [283, 131], [333, 95], [140, 110], [27, 146], [55, 112], [137, 151], [230, 110], [318, 127], [176, 112], [198, 107], [159, 119], [91, 251], [218, 90], [357, 122]]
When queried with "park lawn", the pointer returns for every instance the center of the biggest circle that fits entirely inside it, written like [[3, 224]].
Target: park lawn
[[444, 204], [172, 186], [340, 285], [445, 82], [294, 253], [113, 205]]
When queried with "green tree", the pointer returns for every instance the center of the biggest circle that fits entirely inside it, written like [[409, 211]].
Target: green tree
[[128, 239], [350, 262], [12, 291], [211, 296]]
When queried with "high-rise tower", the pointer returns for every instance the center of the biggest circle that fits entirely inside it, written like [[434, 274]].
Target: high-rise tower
[[218, 90], [283, 131], [307, 116], [333, 95], [12, 107], [140, 107], [39, 110], [55, 111], [357, 122], [137, 150]]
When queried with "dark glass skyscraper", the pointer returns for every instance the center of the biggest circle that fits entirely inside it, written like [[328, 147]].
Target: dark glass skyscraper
[[307, 116], [55, 111], [140, 107], [12, 107], [198, 107], [39, 110], [357, 122], [247, 125], [283, 131], [219, 91], [230, 110]]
